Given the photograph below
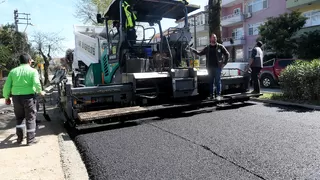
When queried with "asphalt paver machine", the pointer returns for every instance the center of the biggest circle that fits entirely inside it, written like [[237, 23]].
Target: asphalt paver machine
[[120, 77]]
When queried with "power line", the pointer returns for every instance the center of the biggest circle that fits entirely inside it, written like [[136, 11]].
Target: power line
[[25, 17]]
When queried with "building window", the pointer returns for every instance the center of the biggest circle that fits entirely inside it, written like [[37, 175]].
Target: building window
[[257, 5], [236, 11], [313, 18], [202, 41], [254, 28], [200, 19], [237, 33]]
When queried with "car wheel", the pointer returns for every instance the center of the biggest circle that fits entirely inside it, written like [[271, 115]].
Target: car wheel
[[267, 81]]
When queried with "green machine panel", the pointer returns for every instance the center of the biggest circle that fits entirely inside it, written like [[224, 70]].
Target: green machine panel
[[94, 75]]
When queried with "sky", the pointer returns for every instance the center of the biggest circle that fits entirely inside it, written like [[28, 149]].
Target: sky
[[56, 16]]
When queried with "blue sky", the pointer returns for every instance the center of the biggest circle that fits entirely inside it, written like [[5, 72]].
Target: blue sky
[[55, 16]]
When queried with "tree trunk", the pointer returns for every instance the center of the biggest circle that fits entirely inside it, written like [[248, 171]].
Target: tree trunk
[[215, 18]]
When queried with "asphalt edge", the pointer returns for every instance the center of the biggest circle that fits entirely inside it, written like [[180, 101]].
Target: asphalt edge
[[72, 164], [307, 106]]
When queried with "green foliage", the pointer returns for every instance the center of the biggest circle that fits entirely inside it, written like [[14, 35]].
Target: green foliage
[[309, 45], [277, 32], [12, 43], [5, 56], [300, 80]]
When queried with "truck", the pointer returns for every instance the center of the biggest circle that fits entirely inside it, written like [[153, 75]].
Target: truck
[[119, 77]]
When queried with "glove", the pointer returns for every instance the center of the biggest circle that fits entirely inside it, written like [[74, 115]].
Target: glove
[[8, 101]]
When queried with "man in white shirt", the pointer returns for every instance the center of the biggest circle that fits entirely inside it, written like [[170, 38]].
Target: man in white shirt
[[256, 64]]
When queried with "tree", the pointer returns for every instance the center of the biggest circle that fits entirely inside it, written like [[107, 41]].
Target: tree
[[46, 44], [277, 33], [309, 45], [214, 8], [12, 44], [88, 9]]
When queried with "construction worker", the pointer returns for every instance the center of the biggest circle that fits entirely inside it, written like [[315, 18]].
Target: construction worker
[[33, 64], [130, 16], [214, 63], [130, 23], [256, 64], [23, 83]]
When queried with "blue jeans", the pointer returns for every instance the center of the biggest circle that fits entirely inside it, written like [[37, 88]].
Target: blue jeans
[[215, 79]]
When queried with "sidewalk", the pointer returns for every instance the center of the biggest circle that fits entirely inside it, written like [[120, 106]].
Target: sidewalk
[[45, 160]]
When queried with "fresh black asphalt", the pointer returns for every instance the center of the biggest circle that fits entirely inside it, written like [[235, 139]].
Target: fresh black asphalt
[[255, 141]]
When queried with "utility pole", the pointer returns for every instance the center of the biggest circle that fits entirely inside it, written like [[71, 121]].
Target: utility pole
[[16, 19], [16, 16]]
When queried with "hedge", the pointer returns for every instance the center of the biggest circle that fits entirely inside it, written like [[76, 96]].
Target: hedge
[[301, 80]]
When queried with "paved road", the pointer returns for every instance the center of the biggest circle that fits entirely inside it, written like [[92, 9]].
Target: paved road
[[255, 141]]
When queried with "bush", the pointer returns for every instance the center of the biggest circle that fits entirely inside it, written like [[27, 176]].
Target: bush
[[301, 80]]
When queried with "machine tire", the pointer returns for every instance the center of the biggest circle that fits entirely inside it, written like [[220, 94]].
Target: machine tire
[[267, 81]]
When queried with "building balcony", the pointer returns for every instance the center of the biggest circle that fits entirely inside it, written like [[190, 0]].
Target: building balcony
[[229, 3], [232, 19], [236, 41], [294, 4], [199, 28]]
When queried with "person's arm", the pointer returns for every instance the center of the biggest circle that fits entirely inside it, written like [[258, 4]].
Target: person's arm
[[7, 87], [36, 82], [201, 53], [226, 55]]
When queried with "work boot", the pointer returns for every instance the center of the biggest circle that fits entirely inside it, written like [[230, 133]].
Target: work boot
[[19, 140], [210, 97], [34, 141]]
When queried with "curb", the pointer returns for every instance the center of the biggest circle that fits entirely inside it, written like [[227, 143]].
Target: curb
[[71, 161], [307, 106]]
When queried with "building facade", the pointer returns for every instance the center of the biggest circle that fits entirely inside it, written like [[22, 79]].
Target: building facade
[[241, 20], [310, 9]]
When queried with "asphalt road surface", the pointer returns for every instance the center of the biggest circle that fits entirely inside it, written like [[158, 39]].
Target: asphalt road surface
[[254, 141]]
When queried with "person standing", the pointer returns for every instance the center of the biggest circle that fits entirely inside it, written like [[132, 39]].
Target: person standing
[[214, 63], [256, 64], [23, 84], [33, 65]]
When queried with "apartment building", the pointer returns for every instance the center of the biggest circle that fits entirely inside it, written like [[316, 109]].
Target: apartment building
[[310, 9], [241, 20], [199, 29]]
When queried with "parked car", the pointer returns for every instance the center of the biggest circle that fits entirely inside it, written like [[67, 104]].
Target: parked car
[[269, 74], [233, 76]]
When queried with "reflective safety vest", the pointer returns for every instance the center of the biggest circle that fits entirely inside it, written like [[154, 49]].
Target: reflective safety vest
[[129, 22]]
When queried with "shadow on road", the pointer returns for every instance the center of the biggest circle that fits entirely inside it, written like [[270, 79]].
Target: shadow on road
[[282, 108], [44, 128]]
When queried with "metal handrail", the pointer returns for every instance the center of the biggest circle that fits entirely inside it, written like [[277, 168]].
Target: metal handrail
[[231, 16]]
